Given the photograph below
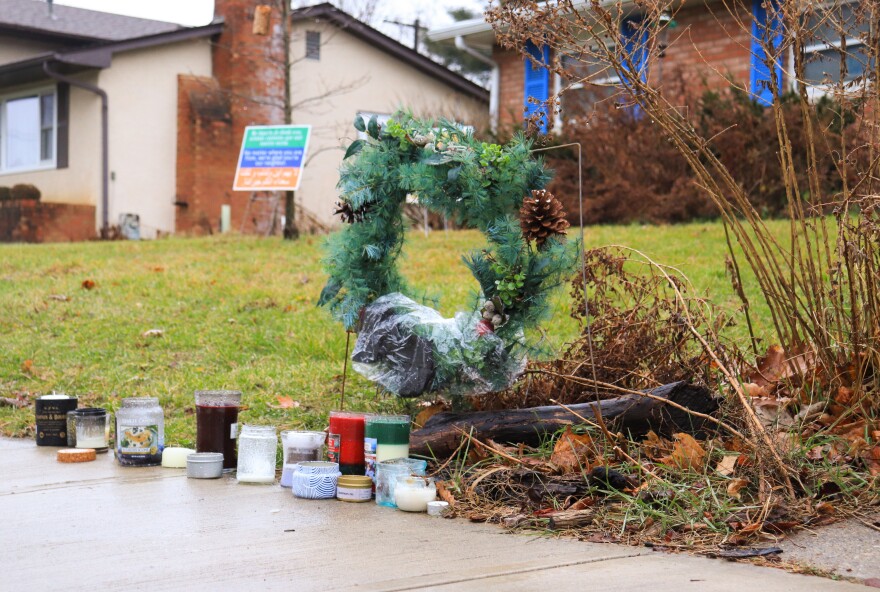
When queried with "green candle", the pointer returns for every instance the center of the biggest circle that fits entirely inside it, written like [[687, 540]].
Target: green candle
[[386, 437]]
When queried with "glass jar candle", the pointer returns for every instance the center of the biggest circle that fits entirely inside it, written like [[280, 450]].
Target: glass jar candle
[[345, 442], [50, 415], [386, 437], [92, 428], [412, 494], [299, 446], [140, 432], [417, 466], [217, 423], [257, 446], [386, 480]]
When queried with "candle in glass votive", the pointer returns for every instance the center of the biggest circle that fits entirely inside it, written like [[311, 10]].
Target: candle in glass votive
[[92, 428], [299, 446], [412, 494]]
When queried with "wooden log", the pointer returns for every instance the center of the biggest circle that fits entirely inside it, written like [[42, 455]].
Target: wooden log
[[571, 519], [636, 414]]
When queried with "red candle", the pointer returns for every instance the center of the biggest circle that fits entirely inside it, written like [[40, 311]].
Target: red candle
[[345, 442]]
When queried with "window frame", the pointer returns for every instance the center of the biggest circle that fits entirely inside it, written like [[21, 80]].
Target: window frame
[[313, 52], [818, 90], [38, 93]]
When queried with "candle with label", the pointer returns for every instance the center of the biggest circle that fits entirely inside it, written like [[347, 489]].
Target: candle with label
[[386, 437], [217, 423], [50, 413], [345, 442]]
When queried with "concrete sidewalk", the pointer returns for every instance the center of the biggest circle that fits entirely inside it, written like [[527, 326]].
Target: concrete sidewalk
[[98, 526]]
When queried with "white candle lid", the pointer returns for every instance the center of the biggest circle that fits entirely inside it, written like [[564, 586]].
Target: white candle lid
[[436, 508]]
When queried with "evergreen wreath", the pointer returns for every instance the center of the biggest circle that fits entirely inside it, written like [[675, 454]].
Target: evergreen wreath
[[480, 185]]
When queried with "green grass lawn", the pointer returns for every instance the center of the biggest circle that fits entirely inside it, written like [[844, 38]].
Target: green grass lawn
[[239, 313]]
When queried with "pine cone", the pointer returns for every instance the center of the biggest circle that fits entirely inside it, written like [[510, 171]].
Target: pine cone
[[541, 217], [349, 215]]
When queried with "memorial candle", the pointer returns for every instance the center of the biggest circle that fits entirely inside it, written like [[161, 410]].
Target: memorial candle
[[345, 442], [386, 437]]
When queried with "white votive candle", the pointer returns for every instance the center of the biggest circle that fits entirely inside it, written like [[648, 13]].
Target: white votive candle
[[90, 442], [413, 495], [174, 457]]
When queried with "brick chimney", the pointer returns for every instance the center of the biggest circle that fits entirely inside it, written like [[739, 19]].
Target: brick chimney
[[213, 112], [247, 65]]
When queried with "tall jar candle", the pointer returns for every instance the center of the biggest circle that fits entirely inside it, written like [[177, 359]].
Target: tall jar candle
[[386, 437], [50, 414], [140, 432], [257, 446], [345, 442], [217, 423]]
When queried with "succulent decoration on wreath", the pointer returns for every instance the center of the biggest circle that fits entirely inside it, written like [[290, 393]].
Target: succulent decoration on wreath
[[407, 347]]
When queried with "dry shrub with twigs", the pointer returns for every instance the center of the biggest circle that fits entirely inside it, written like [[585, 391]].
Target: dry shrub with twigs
[[819, 282], [636, 336]]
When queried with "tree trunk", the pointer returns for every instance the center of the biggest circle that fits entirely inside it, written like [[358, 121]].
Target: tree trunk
[[442, 433], [291, 232]]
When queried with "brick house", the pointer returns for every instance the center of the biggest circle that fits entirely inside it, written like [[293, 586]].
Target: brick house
[[708, 44], [114, 117]]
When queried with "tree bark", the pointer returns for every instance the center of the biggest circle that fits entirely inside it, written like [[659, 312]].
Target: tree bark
[[442, 433], [571, 519]]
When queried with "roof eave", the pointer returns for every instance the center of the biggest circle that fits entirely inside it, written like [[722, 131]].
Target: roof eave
[[96, 56], [381, 41]]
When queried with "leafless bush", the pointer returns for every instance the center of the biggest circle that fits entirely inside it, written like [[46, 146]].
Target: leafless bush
[[820, 280]]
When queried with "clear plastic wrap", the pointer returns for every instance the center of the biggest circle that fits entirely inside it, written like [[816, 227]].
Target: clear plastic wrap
[[411, 350]]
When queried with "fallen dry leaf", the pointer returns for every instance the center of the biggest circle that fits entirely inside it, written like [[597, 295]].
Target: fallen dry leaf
[[444, 494], [88, 284], [285, 403], [59, 297], [427, 413], [656, 447], [571, 452], [687, 453], [772, 413], [844, 395], [18, 402], [872, 460], [582, 504], [153, 333], [727, 465], [770, 367], [756, 390], [27, 366], [736, 486]]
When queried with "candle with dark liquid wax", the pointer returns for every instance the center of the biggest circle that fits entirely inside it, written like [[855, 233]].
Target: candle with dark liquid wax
[[217, 424]]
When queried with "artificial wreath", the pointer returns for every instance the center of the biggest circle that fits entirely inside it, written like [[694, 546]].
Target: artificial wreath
[[405, 346]]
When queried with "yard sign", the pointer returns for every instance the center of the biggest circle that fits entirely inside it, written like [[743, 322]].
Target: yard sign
[[271, 157]]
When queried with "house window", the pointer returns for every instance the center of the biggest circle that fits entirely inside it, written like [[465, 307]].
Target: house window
[[313, 45], [822, 67], [28, 127], [591, 81]]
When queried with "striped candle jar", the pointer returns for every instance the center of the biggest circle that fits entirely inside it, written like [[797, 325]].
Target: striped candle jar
[[315, 480]]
